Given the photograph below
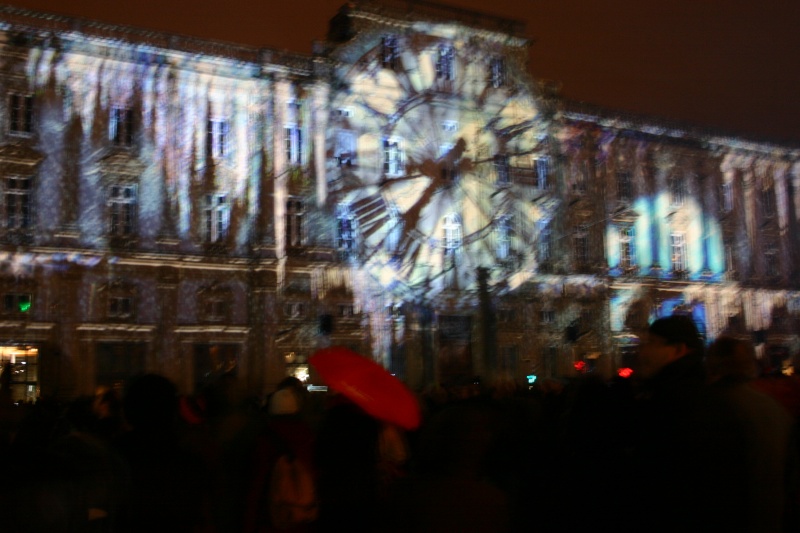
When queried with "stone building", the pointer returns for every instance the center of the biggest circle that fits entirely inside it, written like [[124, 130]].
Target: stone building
[[408, 190]]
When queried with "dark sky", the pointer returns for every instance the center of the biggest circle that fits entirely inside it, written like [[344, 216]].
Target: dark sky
[[728, 64]]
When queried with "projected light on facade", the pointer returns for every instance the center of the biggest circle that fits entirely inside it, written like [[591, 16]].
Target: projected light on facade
[[187, 207]]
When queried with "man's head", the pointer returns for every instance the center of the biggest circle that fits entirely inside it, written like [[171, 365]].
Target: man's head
[[668, 339]]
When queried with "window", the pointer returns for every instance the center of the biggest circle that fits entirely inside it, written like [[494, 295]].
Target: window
[[20, 114], [395, 229], [581, 244], [678, 246], [768, 201], [346, 230], [677, 191], [624, 186], [449, 166], [627, 251], [216, 217], [120, 307], [508, 360], [452, 236], [502, 167], [343, 112], [726, 197], [505, 315], [450, 126], [293, 136], [17, 303], [345, 149], [120, 127], [545, 241], [122, 210], [504, 231], [586, 320], [730, 265], [216, 308], [18, 202], [581, 179], [497, 72], [294, 310], [393, 157], [295, 210], [217, 137], [772, 262], [390, 52], [346, 310], [540, 165], [547, 316], [446, 63]]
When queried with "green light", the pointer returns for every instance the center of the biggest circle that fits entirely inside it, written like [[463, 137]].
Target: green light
[[531, 379], [24, 305]]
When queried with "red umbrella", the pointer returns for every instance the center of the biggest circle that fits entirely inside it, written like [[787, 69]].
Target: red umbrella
[[368, 385]]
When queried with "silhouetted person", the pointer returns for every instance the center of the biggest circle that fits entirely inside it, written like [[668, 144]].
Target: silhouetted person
[[456, 486], [168, 485], [767, 440], [347, 461], [678, 469]]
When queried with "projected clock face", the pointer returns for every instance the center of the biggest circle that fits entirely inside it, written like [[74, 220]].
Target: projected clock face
[[438, 176]]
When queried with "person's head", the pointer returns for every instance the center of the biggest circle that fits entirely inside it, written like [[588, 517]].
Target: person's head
[[667, 340], [284, 402], [728, 357], [151, 403]]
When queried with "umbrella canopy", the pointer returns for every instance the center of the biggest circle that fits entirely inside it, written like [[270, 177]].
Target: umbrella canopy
[[368, 385]]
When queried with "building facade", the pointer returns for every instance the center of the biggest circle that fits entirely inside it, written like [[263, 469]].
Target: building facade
[[196, 208]]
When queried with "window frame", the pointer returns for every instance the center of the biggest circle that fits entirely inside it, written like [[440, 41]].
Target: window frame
[[293, 144], [13, 300], [627, 247], [446, 62], [497, 72], [624, 185], [114, 301], [217, 137], [20, 201], [390, 51], [346, 157], [580, 241], [505, 231], [677, 242], [677, 191], [346, 231], [128, 207], [216, 217], [544, 242], [21, 114], [295, 218], [120, 126], [393, 156], [453, 236]]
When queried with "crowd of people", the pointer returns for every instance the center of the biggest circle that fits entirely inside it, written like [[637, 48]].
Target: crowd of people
[[689, 443]]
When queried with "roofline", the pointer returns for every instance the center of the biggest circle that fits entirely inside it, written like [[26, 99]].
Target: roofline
[[435, 11], [12, 17], [658, 126]]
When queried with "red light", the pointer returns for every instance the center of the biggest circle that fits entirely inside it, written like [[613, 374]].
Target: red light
[[625, 372], [579, 366]]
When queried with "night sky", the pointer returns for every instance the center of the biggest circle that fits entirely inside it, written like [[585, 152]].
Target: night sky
[[732, 65]]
